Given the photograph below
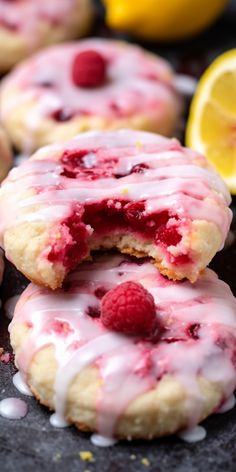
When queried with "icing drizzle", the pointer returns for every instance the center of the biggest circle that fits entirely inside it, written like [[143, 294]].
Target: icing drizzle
[[198, 339], [173, 179]]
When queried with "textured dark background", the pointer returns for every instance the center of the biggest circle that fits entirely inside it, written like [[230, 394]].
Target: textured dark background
[[32, 443]]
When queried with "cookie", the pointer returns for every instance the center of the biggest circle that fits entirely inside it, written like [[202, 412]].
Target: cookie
[[5, 154], [139, 192], [89, 85], [27, 25], [122, 385]]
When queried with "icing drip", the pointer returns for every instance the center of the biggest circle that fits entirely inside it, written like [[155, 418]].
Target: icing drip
[[102, 441], [20, 158], [227, 405], [13, 408], [198, 433], [20, 384], [198, 339], [185, 84], [57, 421]]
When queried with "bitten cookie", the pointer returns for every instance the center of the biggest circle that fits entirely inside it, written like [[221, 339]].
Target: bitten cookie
[[88, 85], [177, 366], [138, 192], [28, 25], [5, 154]]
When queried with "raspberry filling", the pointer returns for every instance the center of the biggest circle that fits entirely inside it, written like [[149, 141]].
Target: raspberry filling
[[108, 216], [61, 115], [69, 245], [111, 215]]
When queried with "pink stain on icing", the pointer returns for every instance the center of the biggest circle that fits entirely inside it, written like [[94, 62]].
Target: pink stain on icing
[[198, 337], [125, 182]]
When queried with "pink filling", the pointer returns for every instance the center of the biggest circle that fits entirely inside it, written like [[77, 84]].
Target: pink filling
[[71, 247], [108, 216]]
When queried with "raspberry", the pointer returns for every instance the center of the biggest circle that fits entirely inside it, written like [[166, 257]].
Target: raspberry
[[168, 236], [129, 308], [88, 69]]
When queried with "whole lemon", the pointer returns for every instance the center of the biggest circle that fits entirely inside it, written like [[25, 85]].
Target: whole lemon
[[162, 20]]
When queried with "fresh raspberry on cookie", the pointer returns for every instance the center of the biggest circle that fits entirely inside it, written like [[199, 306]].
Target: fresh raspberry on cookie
[[129, 308]]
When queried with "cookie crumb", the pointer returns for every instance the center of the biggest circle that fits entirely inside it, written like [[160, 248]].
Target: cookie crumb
[[125, 190], [139, 144], [145, 462], [86, 456], [57, 236], [56, 457], [5, 356]]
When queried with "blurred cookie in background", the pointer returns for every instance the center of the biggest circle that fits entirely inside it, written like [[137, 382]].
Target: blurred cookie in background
[[91, 84], [28, 25], [5, 154]]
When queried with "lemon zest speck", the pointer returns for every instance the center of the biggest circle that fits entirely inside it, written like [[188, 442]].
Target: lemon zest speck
[[86, 456]]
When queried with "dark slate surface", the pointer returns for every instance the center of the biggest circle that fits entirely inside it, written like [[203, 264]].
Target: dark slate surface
[[33, 444]]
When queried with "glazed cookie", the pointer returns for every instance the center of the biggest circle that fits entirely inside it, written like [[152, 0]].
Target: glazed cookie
[[28, 25], [170, 356], [136, 191], [88, 85], [5, 154]]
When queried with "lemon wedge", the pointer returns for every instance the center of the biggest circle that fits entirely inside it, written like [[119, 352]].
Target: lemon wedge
[[211, 127]]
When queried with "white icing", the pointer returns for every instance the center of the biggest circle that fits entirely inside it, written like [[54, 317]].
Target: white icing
[[13, 408], [57, 421], [185, 84], [177, 180], [20, 158], [198, 433], [10, 305], [228, 405], [102, 441], [126, 366], [21, 385]]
